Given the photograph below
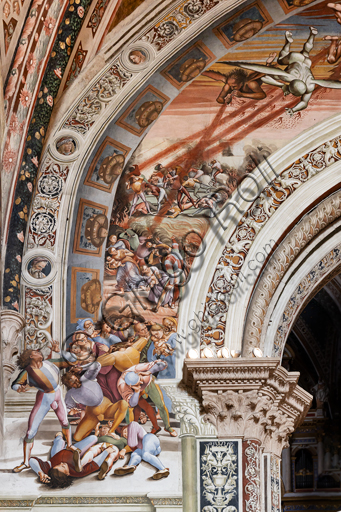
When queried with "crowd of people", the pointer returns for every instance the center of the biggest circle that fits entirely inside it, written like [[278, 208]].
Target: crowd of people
[[176, 190], [110, 376]]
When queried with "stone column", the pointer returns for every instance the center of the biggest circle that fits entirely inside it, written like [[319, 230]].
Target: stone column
[[192, 426], [254, 404], [12, 324], [286, 469], [320, 455], [327, 459]]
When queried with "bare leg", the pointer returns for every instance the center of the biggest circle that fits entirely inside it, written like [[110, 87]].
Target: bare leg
[[334, 49], [91, 453], [309, 44], [133, 205], [282, 58]]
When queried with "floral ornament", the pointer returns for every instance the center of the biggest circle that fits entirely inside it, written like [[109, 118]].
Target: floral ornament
[[13, 125], [168, 29], [34, 160], [80, 11], [31, 63], [49, 25], [49, 100], [9, 160], [16, 305], [29, 186], [58, 73], [18, 257], [25, 97], [21, 236]]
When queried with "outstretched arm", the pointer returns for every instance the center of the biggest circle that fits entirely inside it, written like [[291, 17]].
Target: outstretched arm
[[301, 105]]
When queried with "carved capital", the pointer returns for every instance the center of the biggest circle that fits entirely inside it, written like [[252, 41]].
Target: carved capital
[[249, 398], [187, 411], [12, 324]]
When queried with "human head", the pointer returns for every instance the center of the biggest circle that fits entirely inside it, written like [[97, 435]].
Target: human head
[[39, 263], [113, 239], [60, 476], [124, 432], [71, 380], [170, 324], [137, 57], [132, 378], [236, 79], [104, 430], [27, 356], [143, 418], [141, 330], [105, 328], [297, 87], [156, 331], [143, 269], [66, 146], [86, 325], [80, 338]]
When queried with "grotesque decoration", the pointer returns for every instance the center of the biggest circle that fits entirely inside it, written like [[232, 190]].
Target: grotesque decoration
[[191, 68], [148, 112], [111, 168], [91, 296], [96, 229]]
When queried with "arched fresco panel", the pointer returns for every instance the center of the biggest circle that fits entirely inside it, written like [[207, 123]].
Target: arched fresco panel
[[144, 199]]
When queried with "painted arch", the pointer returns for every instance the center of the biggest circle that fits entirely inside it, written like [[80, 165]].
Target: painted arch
[[191, 130]]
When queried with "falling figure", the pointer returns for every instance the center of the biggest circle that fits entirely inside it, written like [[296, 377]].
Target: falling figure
[[297, 78]]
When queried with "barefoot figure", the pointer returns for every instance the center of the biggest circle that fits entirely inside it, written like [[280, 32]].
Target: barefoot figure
[[297, 78]]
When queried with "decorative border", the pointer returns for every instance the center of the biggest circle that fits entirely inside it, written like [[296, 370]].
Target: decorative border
[[224, 39], [95, 275], [210, 58], [309, 227], [121, 121], [238, 461], [303, 291], [108, 141], [231, 263], [27, 276], [288, 8], [252, 474], [76, 249]]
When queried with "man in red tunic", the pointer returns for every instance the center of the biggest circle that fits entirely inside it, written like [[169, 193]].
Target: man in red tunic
[[64, 465]]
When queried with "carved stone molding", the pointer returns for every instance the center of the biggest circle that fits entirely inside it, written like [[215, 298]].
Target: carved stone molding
[[252, 399], [187, 411], [12, 325], [224, 285], [309, 227]]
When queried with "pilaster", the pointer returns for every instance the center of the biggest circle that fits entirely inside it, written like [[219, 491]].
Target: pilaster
[[12, 324], [255, 404]]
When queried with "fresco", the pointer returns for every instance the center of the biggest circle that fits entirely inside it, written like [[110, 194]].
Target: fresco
[[91, 228], [107, 165], [271, 85]]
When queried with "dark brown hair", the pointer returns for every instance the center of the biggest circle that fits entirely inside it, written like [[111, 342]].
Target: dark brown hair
[[66, 378], [59, 479], [25, 358]]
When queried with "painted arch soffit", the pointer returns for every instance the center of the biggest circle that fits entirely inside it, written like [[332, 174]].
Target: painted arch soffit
[[103, 95], [57, 39], [112, 85], [286, 254]]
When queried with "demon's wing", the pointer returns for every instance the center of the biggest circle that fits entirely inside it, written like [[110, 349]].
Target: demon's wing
[[215, 75], [262, 69]]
